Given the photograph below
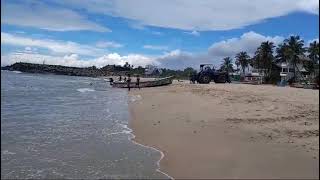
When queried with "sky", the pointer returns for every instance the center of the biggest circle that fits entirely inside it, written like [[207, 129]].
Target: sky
[[171, 34]]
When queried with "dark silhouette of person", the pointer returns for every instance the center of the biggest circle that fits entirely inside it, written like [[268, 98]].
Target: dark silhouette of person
[[120, 78], [128, 82], [228, 78], [138, 81], [125, 79], [192, 78], [111, 81]]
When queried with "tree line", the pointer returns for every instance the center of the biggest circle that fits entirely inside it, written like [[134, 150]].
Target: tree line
[[267, 56]]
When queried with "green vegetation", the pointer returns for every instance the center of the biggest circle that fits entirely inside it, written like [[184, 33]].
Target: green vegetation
[[178, 74], [243, 59], [267, 59], [227, 65]]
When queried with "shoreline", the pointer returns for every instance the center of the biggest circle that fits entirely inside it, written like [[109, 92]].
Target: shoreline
[[133, 139], [136, 141], [177, 133]]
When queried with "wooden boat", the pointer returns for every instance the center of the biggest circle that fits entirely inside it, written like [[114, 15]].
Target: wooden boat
[[296, 85], [153, 83], [310, 86], [305, 85]]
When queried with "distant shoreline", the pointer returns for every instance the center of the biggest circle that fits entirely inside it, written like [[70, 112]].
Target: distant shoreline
[[109, 70]]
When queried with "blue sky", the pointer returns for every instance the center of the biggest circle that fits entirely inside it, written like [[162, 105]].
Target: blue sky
[[167, 33]]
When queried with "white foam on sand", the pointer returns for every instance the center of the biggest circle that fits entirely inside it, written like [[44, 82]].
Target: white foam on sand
[[85, 90], [18, 72], [127, 130], [134, 98], [149, 147]]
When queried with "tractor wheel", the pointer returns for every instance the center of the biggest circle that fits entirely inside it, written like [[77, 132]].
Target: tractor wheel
[[205, 79]]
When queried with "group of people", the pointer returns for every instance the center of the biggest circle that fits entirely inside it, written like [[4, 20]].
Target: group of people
[[128, 80]]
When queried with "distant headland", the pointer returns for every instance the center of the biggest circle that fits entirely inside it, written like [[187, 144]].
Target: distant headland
[[108, 70]]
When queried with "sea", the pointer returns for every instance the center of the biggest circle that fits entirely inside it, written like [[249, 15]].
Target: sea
[[55, 126]]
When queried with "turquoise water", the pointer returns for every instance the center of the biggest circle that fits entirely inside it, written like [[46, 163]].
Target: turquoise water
[[68, 127]]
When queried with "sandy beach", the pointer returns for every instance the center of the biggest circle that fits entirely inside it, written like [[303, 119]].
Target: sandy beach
[[229, 130]]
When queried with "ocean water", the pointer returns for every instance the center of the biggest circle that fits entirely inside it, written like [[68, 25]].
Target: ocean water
[[56, 126]]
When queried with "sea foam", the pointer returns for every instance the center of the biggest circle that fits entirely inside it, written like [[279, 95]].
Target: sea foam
[[85, 90]]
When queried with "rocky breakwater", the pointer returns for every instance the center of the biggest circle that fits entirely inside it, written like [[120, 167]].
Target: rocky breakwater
[[108, 70], [53, 69]]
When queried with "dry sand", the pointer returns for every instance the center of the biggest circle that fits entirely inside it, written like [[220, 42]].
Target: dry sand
[[229, 130]]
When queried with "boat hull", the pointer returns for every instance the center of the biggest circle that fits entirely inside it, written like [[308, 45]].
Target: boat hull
[[158, 82]]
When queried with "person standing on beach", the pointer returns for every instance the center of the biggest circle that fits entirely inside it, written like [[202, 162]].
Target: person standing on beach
[[120, 78], [111, 81], [138, 81], [128, 82]]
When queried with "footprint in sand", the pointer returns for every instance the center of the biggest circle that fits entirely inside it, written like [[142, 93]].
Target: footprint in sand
[[271, 108]]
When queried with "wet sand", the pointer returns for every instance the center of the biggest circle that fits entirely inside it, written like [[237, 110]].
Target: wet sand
[[229, 130]]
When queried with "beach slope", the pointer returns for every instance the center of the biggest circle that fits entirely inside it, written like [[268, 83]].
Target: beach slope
[[229, 130]]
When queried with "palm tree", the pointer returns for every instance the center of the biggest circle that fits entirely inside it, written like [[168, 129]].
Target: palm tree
[[282, 53], [264, 57], [313, 54], [313, 51], [243, 59], [294, 49], [227, 65]]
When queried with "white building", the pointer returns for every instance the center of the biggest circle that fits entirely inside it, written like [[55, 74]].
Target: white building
[[287, 70], [152, 70]]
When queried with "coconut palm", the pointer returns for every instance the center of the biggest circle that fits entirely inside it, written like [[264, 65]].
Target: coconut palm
[[264, 57], [313, 51], [282, 53], [243, 59], [313, 54], [294, 49], [227, 65]]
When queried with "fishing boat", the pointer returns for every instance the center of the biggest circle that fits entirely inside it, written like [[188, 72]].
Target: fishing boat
[[305, 85], [153, 83]]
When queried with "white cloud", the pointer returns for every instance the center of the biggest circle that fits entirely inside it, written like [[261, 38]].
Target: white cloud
[[175, 59], [194, 33], [134, 59], [153, 47], [29, 50], [311, 6], [178, 59], [74, 60], [108, 44], [311, 41], [196, 15], [40, 15], [60, 47], [247, 42]]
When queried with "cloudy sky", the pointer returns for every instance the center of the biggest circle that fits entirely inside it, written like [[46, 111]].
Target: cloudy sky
[[167, 33]]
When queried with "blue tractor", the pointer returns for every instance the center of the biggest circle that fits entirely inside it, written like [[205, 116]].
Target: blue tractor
[[208, 73]]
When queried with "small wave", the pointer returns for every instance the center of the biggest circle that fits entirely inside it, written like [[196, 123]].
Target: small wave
[[121, 132], [6, 152], [135, 98], [85, 90], [18, 72], [131, 138]]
